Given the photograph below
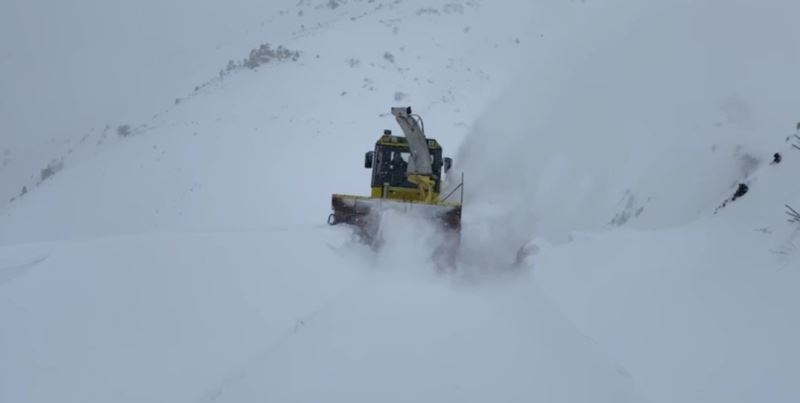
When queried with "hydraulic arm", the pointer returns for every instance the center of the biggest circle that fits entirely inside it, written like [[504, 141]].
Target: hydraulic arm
[[419, 170]]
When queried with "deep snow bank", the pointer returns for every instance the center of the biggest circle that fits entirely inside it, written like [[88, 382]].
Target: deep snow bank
[[157, 318], [703, 313], [402, 339]]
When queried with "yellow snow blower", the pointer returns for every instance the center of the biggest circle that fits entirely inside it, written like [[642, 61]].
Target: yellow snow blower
[[407, 177]]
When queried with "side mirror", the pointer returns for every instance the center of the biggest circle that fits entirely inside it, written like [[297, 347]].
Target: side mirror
[[448, 163], [368, 159]]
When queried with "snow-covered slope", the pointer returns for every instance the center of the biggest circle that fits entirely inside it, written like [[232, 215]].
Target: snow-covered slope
[[74, 71], [665, 106], [190, 261], [295, 120], [699, 313]]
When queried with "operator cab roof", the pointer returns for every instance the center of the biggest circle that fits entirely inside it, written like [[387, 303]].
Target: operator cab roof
[[388, 139]]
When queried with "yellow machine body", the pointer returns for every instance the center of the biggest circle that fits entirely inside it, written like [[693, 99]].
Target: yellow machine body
[[398, 183]]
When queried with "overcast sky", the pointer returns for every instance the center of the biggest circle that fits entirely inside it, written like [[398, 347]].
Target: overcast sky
[[68, 66]]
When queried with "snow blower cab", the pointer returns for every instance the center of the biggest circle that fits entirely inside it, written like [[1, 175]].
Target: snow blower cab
[[407, 173], [390, 161]]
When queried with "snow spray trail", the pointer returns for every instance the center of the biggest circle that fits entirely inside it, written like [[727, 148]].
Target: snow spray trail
[[589, 129]]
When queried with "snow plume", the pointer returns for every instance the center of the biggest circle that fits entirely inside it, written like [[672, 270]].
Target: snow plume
[[408, 242], [658, 102]]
